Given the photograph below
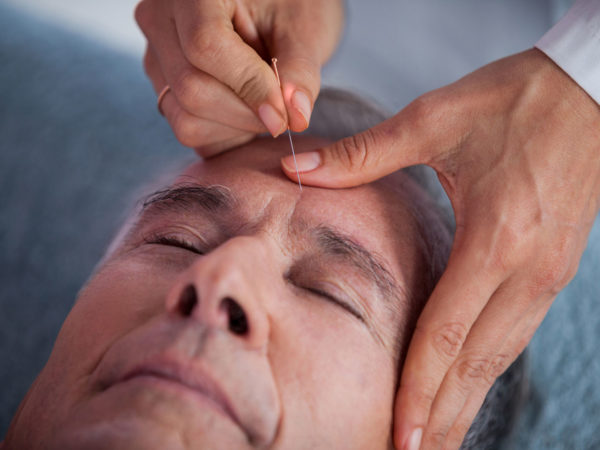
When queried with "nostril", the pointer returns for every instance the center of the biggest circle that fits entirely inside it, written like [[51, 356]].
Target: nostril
[[238, 322], [187, 300]]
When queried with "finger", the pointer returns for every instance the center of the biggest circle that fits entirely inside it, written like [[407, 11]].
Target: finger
[[300, 82], [205, 136], [198, 93], [480, 360], [441, 330], [303, 42], [513, 345], [211, 44], [422, 133]]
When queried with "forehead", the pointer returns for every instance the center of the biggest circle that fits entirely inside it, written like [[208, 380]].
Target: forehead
[[376, 215]]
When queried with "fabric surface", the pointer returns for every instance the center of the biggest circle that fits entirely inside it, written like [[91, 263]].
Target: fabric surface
[[574, 45], [79, 134]]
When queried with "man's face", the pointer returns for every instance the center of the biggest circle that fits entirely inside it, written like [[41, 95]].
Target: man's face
[[237, 313]]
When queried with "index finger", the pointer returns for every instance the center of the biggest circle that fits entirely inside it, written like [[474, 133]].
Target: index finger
[[456, 302], [211, 44]]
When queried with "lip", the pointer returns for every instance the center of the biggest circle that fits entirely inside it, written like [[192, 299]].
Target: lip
[[187, 377]]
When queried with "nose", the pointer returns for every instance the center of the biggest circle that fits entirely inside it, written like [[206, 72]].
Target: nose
[[235, 316], [226, 290]]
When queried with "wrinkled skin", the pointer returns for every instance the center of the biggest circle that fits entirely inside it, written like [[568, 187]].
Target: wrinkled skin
[[142, 363]]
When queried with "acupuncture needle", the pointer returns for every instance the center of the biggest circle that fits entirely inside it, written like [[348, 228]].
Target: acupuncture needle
[[274, 60]]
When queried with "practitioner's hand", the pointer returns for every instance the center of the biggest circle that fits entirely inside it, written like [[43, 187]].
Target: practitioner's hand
[[516, 146], [216, 54]]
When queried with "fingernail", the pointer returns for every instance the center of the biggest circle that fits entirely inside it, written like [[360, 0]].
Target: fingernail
[[302, 104], [306, 162], [414, 442], [271, 118]]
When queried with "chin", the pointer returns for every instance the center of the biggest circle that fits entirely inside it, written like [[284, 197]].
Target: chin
[[139, 432], [118, 436], [127, 418]]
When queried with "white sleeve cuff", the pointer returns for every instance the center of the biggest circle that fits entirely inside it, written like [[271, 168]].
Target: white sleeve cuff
[[574, 45]]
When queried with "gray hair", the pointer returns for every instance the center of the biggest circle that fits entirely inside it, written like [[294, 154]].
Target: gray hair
[[338, 114]]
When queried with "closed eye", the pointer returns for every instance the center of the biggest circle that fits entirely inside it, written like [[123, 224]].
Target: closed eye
[[173, 241], [336, 301]]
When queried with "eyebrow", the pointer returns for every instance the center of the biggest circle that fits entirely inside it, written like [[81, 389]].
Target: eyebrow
[[335, 243], [187, 197]]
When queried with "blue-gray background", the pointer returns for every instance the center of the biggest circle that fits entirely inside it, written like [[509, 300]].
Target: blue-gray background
[[79, 134]]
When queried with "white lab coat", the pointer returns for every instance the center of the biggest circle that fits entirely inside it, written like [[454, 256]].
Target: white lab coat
[[574, 44]]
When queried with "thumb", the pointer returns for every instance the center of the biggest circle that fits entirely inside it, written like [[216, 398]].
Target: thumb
[[413, 136]]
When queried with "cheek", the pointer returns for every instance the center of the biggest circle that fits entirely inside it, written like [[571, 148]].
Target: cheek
[[116, 301], [334, 379], [119, 299]]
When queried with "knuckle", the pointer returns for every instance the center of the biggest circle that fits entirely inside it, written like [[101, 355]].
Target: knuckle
[[421, 106], [548, 277], [423, 110], [477, 369], [556, 271], [354, 151], [554, 265], [507, 248], [437, 439], [570, 273], [472, 369], [187, 89], [143, 14], [249, 88], [448, 339], [203, 46], [308, 71], [186, 130], [498, 365], [423, 395]]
